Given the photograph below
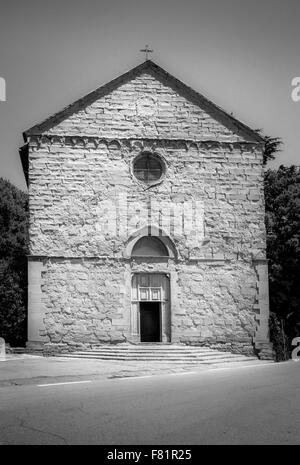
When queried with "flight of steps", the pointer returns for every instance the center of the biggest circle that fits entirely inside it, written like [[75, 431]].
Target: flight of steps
[[169, 354]]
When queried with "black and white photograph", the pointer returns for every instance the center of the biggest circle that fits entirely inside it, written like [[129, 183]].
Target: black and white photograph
[[149, 226]]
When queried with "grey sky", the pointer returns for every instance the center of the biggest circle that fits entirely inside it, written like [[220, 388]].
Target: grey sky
[[241, 54]]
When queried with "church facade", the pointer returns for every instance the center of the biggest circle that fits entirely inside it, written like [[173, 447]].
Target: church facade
[[146, 221]]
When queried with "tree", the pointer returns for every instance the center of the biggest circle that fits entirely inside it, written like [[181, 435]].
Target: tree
[[282, 193], [13, 262], [13, 220], [272, 146]]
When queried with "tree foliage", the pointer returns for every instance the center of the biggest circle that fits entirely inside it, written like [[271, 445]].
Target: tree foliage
[[279, 338], [13, 262], [272, 146], [282, 193]]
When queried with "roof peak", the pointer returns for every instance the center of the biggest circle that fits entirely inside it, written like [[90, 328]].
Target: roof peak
[[161, 74]]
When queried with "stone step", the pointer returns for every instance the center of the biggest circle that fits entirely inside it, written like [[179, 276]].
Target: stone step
[[204, 360], [173, 354], [158, 352], [162, 356], [25, 350], [140, 348], [213, 360], [167, 358], [155, 350]]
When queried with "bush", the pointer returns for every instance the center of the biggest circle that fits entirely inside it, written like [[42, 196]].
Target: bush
[[12, 304], [282, 192], [279, 338], [13, 263]]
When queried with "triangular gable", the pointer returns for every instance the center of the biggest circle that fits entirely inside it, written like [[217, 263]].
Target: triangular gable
[[149, 68]]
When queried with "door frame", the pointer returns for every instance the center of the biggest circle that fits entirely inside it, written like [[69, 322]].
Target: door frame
[[165, 307]]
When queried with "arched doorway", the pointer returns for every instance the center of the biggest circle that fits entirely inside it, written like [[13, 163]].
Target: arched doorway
[[150, 318]]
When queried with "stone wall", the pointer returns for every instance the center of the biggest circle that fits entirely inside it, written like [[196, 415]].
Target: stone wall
[[84, 200], [147, 106], [216, 305], [83, 302], [87, 302]]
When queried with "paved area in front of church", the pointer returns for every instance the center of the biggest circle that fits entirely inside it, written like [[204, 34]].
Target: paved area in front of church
[[20, 369]]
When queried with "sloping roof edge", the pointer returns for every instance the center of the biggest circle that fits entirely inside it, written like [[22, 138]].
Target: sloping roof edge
[[23, 152], [147, 66]]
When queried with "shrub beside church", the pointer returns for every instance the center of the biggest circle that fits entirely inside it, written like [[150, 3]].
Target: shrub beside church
[[13, 263]]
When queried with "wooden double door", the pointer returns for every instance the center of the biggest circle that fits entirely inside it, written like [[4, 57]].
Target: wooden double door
[[150, 307]]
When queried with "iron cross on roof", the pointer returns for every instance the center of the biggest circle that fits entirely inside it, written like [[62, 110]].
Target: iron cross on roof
[[146, 50]]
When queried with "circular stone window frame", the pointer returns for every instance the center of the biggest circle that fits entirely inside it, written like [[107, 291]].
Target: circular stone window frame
[[162, 161]]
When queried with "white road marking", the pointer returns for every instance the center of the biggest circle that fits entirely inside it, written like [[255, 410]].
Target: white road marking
[[158, 374], [61, 384], [184, 373]]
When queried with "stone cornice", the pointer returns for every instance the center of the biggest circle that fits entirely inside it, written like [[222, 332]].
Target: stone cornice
[[209, 261], [95, 141]]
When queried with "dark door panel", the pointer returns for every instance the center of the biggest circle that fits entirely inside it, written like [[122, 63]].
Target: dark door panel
[[150, 321]]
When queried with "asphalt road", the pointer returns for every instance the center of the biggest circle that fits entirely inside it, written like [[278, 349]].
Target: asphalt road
[[251, 405]]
